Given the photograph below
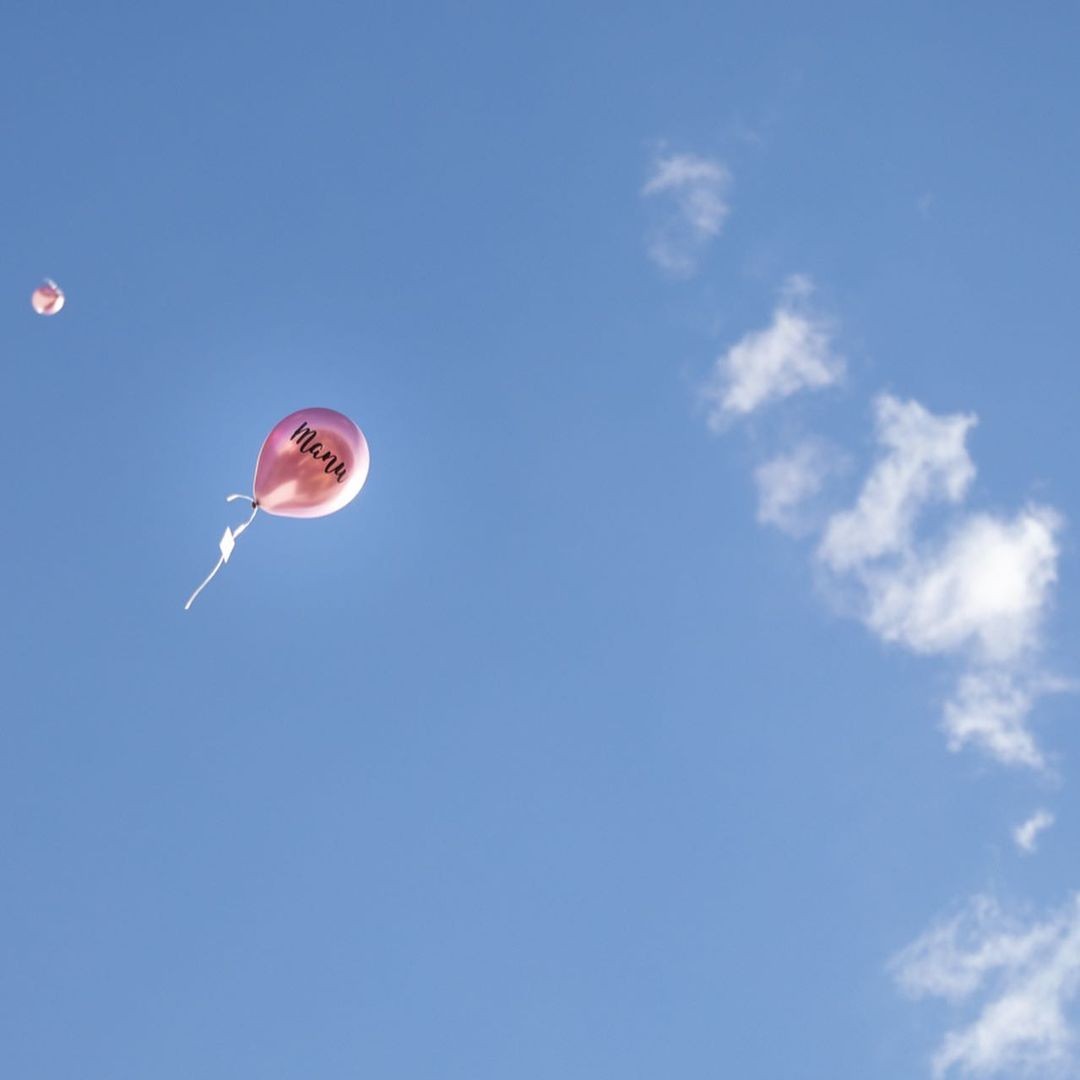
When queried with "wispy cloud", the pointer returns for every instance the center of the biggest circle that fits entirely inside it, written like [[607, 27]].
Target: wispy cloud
[[789, 484], [925, 459], [794, 352], [1018, 980], [979, 589], [1026, 835], [990, 709], [694, 192]]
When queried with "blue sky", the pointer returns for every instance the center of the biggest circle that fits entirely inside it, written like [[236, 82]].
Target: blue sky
[[666, 703]]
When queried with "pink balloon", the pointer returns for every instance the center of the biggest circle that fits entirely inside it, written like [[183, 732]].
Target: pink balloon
[[47, 298], [314, 462]]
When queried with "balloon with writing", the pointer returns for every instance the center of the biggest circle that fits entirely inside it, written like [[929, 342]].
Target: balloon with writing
[[47, 298], [314, 462]]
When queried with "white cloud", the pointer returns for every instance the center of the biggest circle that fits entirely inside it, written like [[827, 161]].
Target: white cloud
[[990, 710], [979, 591], [1027, 834], [985, 590], [982, 595], [1018, 980], [794, 352], [788, 482], [976, 588], [925, 460], [697, 190]]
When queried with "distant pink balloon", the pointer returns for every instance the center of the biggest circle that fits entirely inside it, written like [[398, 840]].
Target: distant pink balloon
[[47, 298], [314, 462]]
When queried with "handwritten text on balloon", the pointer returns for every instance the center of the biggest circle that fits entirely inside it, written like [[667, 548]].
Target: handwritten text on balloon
[[304, 437]]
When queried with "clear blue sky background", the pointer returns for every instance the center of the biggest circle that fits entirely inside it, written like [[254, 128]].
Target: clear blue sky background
[[541, 759]]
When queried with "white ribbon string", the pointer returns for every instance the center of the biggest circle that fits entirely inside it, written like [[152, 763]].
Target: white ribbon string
[[226, 545]]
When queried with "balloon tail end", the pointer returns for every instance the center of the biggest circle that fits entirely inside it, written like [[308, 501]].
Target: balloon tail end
[[226, 545]]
